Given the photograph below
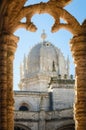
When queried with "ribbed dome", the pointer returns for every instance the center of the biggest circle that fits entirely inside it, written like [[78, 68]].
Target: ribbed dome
[[44, 57], [43, 62]]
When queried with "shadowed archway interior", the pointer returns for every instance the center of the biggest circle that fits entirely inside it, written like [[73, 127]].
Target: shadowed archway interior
[[67, 127], [20, 127]]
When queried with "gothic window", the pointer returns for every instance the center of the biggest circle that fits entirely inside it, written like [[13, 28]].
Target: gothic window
[[18, 128]]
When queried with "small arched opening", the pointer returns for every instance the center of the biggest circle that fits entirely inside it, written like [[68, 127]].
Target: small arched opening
[[67, 127], [21, 127], [24, 107]]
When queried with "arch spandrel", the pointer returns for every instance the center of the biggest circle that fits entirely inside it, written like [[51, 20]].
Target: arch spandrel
[[51, 8], [16, 11]]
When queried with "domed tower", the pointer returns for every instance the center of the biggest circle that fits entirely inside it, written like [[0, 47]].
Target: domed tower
[[43, 62]]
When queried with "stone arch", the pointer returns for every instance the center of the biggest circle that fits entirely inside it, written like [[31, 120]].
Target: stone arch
[[24, 107], [66, 127], [54, 9], [20, 127], [11, 13], [72, 24], [26, 104]]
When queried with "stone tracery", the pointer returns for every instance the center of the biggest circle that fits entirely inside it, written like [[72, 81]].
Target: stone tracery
[[11, 12]]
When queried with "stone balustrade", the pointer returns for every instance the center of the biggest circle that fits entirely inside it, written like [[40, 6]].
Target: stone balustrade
[[52, 115]]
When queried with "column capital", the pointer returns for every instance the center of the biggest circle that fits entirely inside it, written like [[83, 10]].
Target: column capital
[[78, 47], [12, 41]]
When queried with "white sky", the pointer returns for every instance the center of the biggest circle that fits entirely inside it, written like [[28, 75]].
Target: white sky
[[44, 21]]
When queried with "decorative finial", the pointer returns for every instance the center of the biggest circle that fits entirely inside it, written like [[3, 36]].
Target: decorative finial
[[21, 71], [43, 35], [68, 65]]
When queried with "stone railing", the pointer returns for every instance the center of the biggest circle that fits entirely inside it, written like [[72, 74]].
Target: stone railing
[[25, 115], [55, 79], [51, 115]]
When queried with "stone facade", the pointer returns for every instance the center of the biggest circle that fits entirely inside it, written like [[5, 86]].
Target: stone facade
[[46, 96], [45, 110]]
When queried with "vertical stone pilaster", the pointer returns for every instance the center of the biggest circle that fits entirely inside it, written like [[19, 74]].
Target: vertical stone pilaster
[[41, 125], [3, 82], [11, 47], [78, 47]]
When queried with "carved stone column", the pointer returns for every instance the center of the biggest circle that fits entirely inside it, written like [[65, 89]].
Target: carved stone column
[[11, 47], [3, 82], [78, 47]]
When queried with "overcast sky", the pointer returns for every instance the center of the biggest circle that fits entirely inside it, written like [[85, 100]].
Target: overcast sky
[[60, 39]]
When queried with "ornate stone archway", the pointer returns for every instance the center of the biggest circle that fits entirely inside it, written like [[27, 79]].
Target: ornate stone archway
[[67, 127], [11, 12], [20, 127]]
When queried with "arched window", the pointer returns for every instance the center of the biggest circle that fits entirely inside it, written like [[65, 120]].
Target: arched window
[[18, 128], [68, 127], [21, 127], [23, 107]]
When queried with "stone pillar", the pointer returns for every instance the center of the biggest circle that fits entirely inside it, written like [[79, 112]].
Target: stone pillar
[[3, 82], [7, 49], [11, 47], [78, 47], [41, 125]]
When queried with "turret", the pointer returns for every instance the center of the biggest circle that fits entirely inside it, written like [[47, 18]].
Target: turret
[[68, 66], [21, 71], [25, 66]]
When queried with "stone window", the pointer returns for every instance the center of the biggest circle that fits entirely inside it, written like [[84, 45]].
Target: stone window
[[23, 107]]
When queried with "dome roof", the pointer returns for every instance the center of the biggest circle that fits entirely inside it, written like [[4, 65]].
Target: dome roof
[[44, 57], [44, 61]]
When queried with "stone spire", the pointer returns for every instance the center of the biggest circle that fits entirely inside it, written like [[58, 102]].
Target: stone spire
[[68, 66], [21, 70], [24, 65], [43, 35]]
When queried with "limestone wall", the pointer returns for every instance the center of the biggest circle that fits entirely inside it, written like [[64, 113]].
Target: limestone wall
[[51, 119], [63, 98]]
